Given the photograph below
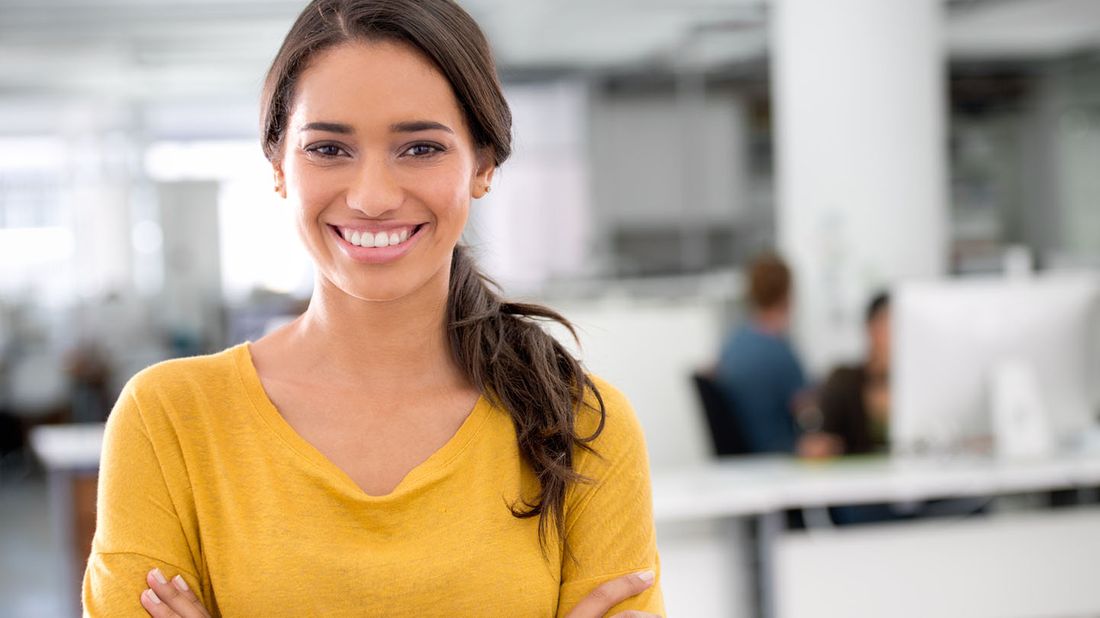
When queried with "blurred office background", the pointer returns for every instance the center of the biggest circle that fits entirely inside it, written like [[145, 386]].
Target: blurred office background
[[660, 145]]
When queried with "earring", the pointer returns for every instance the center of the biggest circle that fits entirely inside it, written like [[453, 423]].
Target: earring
[[488, 188]]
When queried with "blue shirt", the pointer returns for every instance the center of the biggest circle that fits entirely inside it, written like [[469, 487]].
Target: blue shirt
[[761, 376]]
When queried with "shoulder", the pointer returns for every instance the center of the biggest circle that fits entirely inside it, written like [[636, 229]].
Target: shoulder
[[615, 472], [169, 405], [618, 434], [186, 373], [844, 377], [183, 386], [843, 384], [737, 337]]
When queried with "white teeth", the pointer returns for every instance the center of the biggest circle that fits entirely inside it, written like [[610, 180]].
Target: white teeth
[[380, 239]]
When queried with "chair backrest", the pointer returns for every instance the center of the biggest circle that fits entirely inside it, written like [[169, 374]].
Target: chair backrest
[[726, 434]]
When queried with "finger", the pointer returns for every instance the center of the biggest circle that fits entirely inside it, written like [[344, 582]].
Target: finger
[[187, 593], [154, 606], [176, 594], [611, 593], [633, 613]]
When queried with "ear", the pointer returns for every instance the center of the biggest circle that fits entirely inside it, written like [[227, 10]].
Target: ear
[[280, 178], [482, 180]]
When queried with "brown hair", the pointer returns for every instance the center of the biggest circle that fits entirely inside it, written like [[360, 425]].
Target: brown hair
[[499, 344], [769, 282]]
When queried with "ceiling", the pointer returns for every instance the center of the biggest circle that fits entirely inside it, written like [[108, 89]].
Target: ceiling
[[162, 49]]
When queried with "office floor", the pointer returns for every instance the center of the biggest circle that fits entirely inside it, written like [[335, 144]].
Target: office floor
[[26, 550]]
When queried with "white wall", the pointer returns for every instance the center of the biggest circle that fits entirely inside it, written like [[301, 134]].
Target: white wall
[[657, 159]]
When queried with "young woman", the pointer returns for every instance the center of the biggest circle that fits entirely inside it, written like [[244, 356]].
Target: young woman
[[412, 445]]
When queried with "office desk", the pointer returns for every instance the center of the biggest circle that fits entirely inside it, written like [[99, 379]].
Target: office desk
[[763, 487], [70, 454]]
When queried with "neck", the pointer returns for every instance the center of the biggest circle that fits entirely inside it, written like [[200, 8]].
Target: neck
[[386, 348], [773, 321], [878, 361]]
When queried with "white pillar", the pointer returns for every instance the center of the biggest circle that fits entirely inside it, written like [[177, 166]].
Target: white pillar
[[859, 105]]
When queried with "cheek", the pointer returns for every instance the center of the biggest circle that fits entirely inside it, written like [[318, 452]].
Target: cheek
[[880, 337], [309, 195], [448, 196], [308, 191]]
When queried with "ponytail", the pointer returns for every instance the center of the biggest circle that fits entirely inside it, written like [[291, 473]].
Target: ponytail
[[521, 368]]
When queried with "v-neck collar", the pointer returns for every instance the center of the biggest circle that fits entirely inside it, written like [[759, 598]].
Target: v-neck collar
[[427, 469]]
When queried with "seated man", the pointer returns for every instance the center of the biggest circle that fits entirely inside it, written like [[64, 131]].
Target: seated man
[[758, 369]]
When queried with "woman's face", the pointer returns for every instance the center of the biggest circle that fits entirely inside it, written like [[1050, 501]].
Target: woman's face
[[878, 330], [380, 166]]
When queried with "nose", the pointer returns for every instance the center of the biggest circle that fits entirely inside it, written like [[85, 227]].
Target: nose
[[375, 189]]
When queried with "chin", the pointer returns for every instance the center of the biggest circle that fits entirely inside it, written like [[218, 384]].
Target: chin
[[385, 287]]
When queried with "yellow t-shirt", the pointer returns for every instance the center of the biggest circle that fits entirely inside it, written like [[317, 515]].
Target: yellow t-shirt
[[202, 476]]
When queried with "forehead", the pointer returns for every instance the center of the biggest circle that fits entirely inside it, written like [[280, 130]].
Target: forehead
[[369, 84]]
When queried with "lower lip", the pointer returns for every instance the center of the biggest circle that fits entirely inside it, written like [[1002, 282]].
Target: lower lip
[[377, 255]]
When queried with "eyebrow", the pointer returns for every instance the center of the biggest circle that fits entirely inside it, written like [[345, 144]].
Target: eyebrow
[[331, 127], [412, 126], [419, 125]]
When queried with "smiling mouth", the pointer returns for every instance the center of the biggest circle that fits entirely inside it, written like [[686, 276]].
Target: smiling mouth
[[377, 240]]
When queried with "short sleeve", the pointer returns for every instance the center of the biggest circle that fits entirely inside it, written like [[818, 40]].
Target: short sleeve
[[137, 522], [609, 522]]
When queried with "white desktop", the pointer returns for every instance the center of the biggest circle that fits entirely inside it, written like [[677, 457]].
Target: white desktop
[[1008, 365]]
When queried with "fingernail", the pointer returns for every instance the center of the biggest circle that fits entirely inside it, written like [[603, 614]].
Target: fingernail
[[647, 576], [157, 575], [152, 596], [178, 581]]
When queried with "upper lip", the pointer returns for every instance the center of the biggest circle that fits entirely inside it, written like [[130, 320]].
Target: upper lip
[[374, 228]]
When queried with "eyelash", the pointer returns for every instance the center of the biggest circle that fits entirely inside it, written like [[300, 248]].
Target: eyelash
[[318, 149], [435, 150]]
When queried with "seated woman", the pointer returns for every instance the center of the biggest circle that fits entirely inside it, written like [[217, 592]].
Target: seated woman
[[855, 401], [412, 445], [855, 405]]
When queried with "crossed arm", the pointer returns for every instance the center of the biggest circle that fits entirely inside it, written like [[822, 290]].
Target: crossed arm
[[173, 598]]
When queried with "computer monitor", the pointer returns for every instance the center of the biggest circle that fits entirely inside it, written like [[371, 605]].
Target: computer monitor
[[949, 337]]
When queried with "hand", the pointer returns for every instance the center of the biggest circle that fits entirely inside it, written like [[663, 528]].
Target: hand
[[819, 445], [611, 593], [172, 599]]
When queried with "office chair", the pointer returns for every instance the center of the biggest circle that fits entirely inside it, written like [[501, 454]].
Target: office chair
[[728, 438], [726, 434]]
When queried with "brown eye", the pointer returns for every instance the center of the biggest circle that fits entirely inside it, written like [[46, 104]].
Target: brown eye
[[326, 150], [423, 150]]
